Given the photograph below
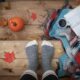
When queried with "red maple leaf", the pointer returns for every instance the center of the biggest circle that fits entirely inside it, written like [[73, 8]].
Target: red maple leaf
[[34, 16], [9, 57]]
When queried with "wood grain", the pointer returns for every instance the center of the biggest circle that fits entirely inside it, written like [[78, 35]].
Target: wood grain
[[16, 41], [24, 9], [21, 62], [29, 33]]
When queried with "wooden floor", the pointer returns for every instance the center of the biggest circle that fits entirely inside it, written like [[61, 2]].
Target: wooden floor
[[9, 78], [34, 14]]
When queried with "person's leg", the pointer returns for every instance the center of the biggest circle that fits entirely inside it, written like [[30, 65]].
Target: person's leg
[[32, 55], [47, 54]]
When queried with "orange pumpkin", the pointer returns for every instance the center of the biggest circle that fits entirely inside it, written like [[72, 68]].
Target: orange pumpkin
[[16, 24]]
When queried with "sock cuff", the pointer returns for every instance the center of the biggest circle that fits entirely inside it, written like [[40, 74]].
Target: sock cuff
[[30, 72], [47, 43], [49, 72], [34, 42]]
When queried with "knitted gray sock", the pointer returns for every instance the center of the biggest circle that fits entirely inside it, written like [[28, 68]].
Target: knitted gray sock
[[47, 53], [32, 54]]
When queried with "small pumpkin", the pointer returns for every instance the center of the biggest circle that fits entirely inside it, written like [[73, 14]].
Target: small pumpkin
[[3, 22], [16, 24]]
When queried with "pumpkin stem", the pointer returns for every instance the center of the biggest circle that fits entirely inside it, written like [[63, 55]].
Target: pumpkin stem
[[14, 23]]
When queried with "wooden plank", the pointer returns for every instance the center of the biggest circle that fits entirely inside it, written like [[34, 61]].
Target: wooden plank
[[14, 72], [21, 62], [25, 10], [26, 14], [18, 47], [28, 33], [17, 63], [37, 4], [17, 67], [9, 77]]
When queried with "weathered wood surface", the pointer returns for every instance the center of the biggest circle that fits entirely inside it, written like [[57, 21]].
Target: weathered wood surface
[[29, 33], [40, 11], [21, 62], [9, 78], [33, 30]]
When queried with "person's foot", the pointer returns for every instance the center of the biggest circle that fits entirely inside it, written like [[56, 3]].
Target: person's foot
[[29, 75], [47, 55], [32, 55], [50, 75]]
